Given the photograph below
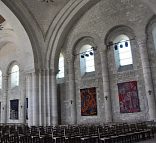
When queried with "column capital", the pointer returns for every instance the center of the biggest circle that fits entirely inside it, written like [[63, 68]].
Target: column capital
[[103, 51], [141, 40], [53, 72], [70, 58], [101, 47]]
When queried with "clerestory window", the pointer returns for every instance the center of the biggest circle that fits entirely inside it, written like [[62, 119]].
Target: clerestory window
[[14, 76], [122, 50], [87, 59], [0, 79], [61, 66]]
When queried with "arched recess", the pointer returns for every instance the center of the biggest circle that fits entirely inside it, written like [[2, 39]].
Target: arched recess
[[112, 34], [79, 50], [151, 31], [115, 31], [65, 20], [73, 48], [26, 28]]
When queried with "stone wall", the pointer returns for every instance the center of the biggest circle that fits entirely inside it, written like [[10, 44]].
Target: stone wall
[[98, 23]]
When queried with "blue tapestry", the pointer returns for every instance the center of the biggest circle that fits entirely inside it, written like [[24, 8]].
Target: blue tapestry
[[14, 109]]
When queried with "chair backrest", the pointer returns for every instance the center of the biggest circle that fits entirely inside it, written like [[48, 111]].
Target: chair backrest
[[34, 130], [58, 132]]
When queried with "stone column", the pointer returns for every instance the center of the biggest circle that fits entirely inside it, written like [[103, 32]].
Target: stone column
[[22, 106], [29, 95], [42, 98], [106, 88], [4, 110], [35, 98], [147, 78], [71, 90], [48, 105], [54, 103]]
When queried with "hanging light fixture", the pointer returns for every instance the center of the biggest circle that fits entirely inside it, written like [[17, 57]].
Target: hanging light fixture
[[126, 44], [87, 55], [91, 53], [121, 46], [82, 56], [116, 47]]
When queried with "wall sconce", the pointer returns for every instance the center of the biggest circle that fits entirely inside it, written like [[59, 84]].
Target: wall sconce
[[149, 92], [3, 108], [21, 106], [106, 97], [71, 101]]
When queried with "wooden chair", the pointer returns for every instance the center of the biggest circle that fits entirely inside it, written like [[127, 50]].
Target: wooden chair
[[104, 134], [58, 135]]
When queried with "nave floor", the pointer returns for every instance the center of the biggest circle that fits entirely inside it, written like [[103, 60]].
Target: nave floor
[[149, 141]]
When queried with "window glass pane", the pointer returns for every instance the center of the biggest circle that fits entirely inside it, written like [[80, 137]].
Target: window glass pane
[[90, 61], [61, 67], [15, 76], [87, 59], [126, 62], [0, 79], [124, 55], [26, 109]]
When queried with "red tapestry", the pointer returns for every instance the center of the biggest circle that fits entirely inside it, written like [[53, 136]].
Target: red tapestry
[[88, 101], [128, 97]]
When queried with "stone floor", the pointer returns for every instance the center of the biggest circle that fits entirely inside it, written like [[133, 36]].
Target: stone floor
[[149, 141]]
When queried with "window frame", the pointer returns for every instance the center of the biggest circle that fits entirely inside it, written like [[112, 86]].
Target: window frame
[[61, 70], [117, 53], [14, 75], [84, 62], [1, 80]]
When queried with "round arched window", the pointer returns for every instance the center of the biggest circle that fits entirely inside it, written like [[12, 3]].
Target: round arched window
[[15, 76], [87, 59]]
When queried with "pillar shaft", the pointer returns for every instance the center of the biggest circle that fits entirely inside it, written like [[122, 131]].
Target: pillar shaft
[[106, 88], [71, 85], [48, 105], [35, 98], [147, 79], [4, 104], [54, 102], [29, 95]]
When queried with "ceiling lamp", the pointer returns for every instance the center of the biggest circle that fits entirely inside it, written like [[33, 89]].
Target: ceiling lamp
[[1, 27]]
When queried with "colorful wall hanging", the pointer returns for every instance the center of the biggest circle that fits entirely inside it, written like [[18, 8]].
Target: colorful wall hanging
[[88, 102], [128, 97]]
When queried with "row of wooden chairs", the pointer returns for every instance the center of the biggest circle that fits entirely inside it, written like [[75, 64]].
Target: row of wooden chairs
[[95, 133]]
